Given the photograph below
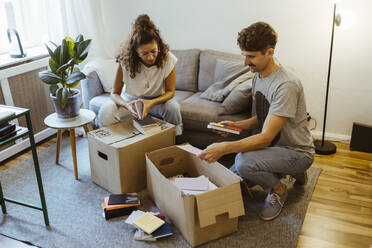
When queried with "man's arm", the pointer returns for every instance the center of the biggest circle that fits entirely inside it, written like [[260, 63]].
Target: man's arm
[[248, 124], [272, 126]]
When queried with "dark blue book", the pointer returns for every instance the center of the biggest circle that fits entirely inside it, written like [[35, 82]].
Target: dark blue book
[[163, 231]]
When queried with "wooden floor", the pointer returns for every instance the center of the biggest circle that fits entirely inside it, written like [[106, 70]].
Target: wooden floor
[[340, 212]]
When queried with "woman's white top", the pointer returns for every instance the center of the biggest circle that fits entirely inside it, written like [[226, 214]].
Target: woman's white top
[[150, 81]]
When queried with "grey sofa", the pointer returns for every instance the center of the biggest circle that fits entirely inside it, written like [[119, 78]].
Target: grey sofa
[[195, 72]]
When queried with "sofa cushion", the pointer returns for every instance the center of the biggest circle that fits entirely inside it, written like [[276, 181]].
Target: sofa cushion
[[207, 67], [181, 95], [226, 69], [197, 113], [218, 91], [187, 69], [238, 101], [106, 70]]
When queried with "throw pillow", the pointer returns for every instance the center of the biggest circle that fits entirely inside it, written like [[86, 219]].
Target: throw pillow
[[238, 101], [106, 70], [225, 69], [218, 91]]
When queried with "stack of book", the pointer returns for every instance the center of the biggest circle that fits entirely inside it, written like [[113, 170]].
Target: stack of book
[[224, 128], [150, 226], [117, 205], [7, 130]]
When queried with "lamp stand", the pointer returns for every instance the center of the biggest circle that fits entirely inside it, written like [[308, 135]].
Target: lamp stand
[[321, 146]]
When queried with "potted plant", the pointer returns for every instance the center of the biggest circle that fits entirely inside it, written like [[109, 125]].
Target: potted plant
[[64, 75]]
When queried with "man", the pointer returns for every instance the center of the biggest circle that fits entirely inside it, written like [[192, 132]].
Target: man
[[284, 144]]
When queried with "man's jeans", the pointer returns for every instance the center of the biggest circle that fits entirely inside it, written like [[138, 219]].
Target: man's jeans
[[266, 166]]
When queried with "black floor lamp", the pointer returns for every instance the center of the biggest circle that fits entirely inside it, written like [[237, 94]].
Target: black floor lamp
[[322, 146]]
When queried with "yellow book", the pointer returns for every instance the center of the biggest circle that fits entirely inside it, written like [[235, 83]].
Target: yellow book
[[148, 222]]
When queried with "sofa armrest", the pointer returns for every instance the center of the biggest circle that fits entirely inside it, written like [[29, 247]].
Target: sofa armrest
[[90, 87]]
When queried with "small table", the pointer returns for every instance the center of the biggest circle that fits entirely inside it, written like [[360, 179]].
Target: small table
[[83, 119], [23, 131]]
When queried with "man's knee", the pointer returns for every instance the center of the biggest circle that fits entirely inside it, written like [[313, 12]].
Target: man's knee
[[244, 165]]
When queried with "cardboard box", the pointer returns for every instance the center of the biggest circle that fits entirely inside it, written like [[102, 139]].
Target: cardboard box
[[117, 154], [203, 217]]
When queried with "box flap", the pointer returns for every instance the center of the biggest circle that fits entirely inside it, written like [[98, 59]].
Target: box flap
[[114, 133], [227, 199]]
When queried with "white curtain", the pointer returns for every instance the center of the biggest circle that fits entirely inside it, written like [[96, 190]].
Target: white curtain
[[73, 17]]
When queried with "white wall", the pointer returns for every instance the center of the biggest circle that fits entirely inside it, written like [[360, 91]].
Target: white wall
[[304, 29]]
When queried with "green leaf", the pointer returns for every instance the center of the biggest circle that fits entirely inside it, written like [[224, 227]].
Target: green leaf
[[62, 68], [82, 49], [53, 88], [51, 54], [65, 52], [79, 38], [57, 54], [74, 77], [73, 85], [53, 65], [49, 77], [71, 45], [62, 96]]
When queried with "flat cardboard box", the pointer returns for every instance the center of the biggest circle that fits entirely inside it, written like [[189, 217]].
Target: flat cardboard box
[[203, 217], [117, 154]]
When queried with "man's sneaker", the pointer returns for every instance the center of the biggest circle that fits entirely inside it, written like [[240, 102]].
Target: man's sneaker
[[273, 205], [301, 179]]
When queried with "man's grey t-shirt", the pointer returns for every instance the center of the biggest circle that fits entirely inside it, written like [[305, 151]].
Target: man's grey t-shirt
[[281, 93]]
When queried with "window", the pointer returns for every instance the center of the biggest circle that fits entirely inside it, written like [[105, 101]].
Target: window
[[28, 17]]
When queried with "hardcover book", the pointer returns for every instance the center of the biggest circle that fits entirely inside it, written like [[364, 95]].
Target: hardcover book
[[224, 128]]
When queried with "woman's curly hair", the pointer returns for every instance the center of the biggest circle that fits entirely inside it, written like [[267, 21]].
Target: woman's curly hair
[[144, 31]]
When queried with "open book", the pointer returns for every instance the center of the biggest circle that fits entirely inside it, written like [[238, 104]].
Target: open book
[[141, 125]]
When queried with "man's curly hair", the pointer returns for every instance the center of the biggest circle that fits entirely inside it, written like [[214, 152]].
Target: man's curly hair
[[257, 37], [143, 32]]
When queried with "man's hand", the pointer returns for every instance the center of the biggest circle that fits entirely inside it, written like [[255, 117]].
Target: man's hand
[[228, 123], [213, 152]]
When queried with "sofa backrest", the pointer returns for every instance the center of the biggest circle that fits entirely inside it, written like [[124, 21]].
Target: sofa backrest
[[207, 66], [187, 68]]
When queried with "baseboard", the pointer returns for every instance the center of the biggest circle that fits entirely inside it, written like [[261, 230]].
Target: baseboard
[[24, 144], [331, 136]]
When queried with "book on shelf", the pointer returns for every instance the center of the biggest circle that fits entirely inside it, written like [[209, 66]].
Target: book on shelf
[[5, 114], [224, 128]]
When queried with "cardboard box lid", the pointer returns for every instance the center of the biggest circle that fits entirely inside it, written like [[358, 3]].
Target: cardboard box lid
[[227, 199], [114, 133]]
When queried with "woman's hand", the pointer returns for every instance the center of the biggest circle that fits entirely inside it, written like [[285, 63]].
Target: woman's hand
[[147, 106], [132, 109]]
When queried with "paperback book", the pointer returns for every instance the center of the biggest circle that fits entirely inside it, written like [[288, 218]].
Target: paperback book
[[224, 128]]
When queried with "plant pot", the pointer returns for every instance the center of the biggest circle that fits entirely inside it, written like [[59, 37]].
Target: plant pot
[[72, 107]]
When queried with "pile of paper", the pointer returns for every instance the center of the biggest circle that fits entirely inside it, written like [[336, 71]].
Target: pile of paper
[[150, 226], [193, 185]]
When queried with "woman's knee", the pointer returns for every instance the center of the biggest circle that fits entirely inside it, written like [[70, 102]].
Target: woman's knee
[[106, 114], [172, 112]]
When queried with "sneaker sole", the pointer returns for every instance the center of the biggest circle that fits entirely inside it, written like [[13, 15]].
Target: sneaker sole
[[271, 217]]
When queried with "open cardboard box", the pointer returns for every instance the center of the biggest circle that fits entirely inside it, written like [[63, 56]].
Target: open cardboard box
[[203, 217], [117, 154]]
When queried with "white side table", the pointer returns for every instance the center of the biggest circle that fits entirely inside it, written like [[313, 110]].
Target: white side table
[[83, 119]]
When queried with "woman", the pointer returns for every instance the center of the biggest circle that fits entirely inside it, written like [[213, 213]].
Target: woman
[[145, 73]]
